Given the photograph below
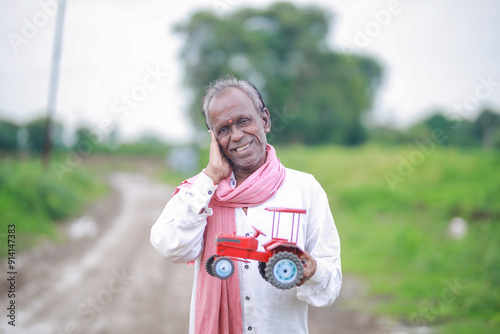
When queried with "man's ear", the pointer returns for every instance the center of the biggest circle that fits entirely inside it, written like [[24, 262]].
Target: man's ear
[[266, 117]]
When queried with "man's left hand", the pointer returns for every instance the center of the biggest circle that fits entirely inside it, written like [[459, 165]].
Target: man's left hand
[[309, 267]]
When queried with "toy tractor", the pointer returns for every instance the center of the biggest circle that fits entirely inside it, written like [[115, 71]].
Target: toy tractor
[[279, 263]]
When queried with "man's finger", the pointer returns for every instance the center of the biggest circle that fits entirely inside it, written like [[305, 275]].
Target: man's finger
[[213, 140]]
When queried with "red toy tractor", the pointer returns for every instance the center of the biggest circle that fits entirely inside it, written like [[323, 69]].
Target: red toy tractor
[[280, 262]]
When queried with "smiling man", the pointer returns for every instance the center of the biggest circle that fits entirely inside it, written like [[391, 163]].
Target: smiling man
[[242, 178]]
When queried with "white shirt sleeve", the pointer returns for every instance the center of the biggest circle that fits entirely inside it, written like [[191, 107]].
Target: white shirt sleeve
[[323, 243], [178, 232]]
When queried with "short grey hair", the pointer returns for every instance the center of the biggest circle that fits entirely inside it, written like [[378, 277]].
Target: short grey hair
[[218, 86]]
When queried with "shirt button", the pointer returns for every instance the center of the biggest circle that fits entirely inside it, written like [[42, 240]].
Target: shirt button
[[247, 266], [249, 328], [247, 235], [210, 192], [247, 298]]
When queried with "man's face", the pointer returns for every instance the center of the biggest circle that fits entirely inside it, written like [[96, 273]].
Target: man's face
[[240, 129]]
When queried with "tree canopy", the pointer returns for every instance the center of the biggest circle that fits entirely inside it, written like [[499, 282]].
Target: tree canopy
[[314, 95]]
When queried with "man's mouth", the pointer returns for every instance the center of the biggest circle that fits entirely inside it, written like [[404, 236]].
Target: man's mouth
[[242, 148]]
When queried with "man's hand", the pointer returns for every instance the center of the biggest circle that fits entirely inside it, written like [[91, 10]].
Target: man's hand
[[218, 167], [309, 267]]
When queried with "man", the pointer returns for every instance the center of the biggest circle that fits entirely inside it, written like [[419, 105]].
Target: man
[[242, 178]]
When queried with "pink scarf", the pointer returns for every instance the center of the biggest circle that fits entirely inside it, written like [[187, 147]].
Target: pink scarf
[[218, 305]]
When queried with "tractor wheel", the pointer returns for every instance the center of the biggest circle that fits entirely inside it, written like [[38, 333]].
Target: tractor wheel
[[208, 265], [262, 270], [223, 267], [284, 270]]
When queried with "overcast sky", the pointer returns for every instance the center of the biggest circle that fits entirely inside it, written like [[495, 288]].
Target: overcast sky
[[120, 59]]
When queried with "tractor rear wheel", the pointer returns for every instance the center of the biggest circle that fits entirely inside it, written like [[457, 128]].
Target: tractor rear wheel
[[223, 267], [284, 270]]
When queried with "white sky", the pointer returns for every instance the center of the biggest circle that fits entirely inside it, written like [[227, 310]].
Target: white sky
[[434, 54]]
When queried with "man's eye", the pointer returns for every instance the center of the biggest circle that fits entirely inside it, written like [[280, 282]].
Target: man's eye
[[244, 121], [223, 131]]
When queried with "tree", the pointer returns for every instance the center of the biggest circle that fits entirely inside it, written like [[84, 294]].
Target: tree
[[486, 126], [314, 95], [484, 130], [8, 136], [455, 132], [36, 130]]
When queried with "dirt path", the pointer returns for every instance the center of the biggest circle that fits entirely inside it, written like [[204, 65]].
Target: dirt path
[[107, 279]]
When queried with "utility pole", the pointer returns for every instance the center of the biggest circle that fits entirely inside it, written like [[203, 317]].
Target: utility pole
[[54, 81]]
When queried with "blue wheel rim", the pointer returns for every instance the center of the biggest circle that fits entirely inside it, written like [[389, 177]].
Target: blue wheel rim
[[285, 271], [223, 268]]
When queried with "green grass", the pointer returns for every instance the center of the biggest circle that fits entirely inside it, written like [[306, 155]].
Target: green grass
[[34, 198], [397, 238]]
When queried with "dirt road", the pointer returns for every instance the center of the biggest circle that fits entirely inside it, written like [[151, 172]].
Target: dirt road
[[106, 278]]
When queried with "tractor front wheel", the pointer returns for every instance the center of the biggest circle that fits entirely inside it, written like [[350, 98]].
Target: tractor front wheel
[[223, 267], [262, 270], [284, 270]]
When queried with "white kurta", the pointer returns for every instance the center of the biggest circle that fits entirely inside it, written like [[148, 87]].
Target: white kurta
[[178, 235]]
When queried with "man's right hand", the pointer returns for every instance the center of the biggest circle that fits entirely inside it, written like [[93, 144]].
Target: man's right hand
[[218, 167]]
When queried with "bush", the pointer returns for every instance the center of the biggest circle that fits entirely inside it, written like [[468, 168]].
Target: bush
[[32, 198]]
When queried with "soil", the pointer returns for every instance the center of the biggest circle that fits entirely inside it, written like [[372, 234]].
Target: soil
[[106, 278]]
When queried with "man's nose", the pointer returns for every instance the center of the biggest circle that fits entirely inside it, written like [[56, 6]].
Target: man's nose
[[236, 133]]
